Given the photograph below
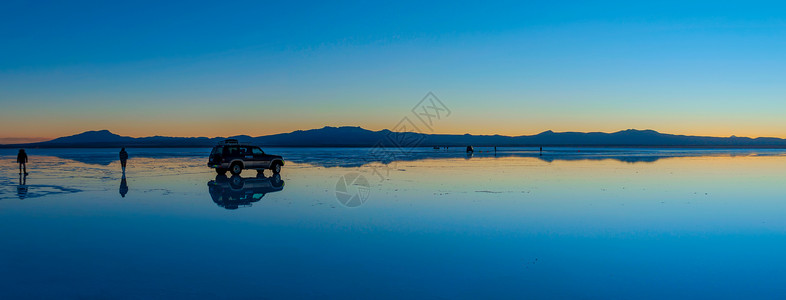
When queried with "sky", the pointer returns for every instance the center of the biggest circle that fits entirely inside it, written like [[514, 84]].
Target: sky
[[514, 68]]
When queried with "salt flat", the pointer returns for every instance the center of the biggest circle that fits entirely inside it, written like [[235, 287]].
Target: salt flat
[[571, 223]]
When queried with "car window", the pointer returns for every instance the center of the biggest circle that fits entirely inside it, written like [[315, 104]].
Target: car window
[[217, 150], [232, 151], [257, 151], [245, 150]]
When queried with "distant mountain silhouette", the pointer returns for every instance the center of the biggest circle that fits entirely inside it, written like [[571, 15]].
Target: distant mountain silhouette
[[359, 137], [87, 137]]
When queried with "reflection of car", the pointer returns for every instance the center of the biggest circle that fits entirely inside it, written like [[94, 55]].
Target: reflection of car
[[233, 156], [231, 193]]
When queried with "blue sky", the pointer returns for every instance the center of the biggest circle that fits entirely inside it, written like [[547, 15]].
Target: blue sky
[[207, 69]]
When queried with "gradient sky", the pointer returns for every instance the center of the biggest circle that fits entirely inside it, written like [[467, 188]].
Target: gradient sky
[[217, 69]]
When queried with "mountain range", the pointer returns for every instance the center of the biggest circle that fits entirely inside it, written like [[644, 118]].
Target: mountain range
[[349, 136]]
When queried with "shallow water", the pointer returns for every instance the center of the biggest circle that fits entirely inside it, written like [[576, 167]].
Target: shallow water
[[572, 223]]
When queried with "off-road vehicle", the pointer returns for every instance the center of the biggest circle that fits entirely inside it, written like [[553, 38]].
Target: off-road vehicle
[[232, 156]]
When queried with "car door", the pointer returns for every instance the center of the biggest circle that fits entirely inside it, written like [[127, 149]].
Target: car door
[[248, 157], [230, 153], [261, 158]]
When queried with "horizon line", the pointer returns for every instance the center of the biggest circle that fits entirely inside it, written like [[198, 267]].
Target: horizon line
[[30, 140]]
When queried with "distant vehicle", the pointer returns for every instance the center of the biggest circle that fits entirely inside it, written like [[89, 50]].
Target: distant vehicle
[[232, 156], [235, 192]]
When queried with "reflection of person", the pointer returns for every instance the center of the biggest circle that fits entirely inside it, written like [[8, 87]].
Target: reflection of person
[[123, 158], [123, 186], [21, 158], [21, 189]]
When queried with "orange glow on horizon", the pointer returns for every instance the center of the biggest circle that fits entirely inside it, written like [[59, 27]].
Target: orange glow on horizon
[[189, 132]]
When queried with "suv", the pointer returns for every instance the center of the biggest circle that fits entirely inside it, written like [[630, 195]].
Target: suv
[[232, 156]]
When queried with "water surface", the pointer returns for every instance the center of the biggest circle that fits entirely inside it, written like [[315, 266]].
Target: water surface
[[572, 223]]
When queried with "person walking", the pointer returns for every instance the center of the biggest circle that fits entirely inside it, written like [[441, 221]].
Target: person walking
[[21, 158], [123, 158]]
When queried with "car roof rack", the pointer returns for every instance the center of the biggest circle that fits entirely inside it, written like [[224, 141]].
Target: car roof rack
[[234, 142]]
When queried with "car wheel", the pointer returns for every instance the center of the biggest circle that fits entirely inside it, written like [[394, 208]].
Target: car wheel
[[276, 168], [221, 171], [221, 178], [276, 180], [236, 182], [235, 169]]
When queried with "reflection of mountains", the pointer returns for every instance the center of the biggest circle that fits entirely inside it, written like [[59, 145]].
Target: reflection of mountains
[[107, 158], [352, 161], [357, 157], [93, 158], [234, 192], [627, 159]]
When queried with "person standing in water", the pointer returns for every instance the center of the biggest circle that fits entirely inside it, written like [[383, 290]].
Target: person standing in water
[[21, 158], [123, 158]]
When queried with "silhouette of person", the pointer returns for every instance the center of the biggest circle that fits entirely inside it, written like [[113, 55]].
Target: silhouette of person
[[123, 158], [541, 150], [123, 186], [21, 158], [470, 149], [21, 189]]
